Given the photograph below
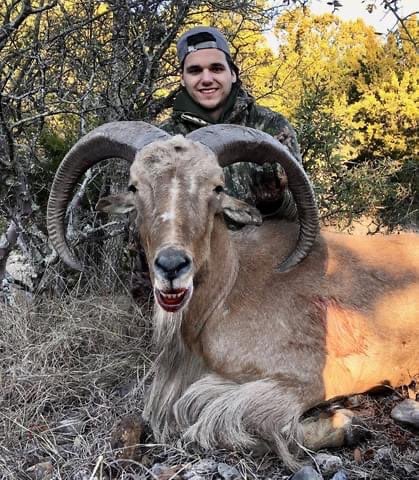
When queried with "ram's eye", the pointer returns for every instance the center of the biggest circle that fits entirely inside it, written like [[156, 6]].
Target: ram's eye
[[132, 189], [219, 189]]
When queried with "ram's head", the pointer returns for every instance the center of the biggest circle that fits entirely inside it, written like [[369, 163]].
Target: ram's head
[[176, 188]]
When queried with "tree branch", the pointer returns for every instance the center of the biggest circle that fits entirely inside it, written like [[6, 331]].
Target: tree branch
[[7, 29], [389, 4]]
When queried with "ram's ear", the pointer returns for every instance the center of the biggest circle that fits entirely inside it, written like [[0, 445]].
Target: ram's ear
[[119, 203], [240, 212]]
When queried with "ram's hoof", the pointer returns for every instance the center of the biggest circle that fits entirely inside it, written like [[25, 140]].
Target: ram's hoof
[[340, 428]]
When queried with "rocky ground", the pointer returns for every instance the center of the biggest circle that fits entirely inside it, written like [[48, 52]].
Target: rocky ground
[[73, 374]]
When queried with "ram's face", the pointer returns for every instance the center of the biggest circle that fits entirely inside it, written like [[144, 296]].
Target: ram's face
[[177, 190]]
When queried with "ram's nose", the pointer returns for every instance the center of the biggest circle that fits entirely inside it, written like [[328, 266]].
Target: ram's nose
[[172, 263]]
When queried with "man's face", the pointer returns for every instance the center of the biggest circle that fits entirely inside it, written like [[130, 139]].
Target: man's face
[[208, 79]]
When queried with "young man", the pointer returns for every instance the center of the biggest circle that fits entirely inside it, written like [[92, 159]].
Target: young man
[[211, 93]]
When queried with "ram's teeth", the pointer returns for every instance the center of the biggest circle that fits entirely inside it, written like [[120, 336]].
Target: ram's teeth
[[173, 295]]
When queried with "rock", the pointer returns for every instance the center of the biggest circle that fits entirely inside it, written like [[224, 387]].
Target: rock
[[307, 473], [164, 472], [126, 436], [328, 463], [205, 466], [227, 472], [203, 469], [340, 475], [40, 471], [383, 454], [407, 411]]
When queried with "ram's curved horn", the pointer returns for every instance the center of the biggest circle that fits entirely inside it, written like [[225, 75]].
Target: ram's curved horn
[[235, 143], [111, 140]]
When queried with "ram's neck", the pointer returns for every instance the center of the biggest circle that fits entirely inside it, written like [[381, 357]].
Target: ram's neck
[[212, 285]]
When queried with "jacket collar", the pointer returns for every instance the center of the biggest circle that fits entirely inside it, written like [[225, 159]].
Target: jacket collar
[[187, 110]]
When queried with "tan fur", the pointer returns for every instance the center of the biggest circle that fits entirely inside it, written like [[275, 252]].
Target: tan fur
[[254, 349]]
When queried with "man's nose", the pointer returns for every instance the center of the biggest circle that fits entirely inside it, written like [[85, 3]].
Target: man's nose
[[206, 76]]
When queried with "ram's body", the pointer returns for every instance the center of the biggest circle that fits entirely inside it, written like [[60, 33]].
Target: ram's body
[[253, 349], [243, 349]]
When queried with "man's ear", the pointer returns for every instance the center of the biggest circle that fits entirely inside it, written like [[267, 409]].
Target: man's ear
[[240, 212], [119, 203], [182, 82], [234, 77]]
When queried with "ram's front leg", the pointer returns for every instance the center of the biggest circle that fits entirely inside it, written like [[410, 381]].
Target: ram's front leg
[[339, 428], [258, 415]]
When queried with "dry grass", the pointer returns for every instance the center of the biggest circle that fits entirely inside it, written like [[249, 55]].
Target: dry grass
[[71, 367]]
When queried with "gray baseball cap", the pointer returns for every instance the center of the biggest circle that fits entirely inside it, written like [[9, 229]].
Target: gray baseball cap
[[198, 38]]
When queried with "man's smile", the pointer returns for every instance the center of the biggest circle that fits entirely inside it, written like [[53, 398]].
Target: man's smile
[[207, 91]]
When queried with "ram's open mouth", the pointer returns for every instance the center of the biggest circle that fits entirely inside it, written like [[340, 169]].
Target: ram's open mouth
[[172, 300]]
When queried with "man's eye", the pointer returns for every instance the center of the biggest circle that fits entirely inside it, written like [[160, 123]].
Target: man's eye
[[132, 189], [219, 189]]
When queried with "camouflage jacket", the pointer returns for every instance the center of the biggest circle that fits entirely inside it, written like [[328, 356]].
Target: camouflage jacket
[[258, 185]]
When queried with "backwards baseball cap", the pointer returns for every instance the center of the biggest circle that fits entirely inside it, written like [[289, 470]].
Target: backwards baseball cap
[[199, 38]]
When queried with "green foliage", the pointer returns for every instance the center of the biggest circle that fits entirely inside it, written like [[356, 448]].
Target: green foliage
[[319, 130], [55, 146], [353, 100]]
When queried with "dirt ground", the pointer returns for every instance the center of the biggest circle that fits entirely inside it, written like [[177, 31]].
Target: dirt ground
[[72, 368]]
